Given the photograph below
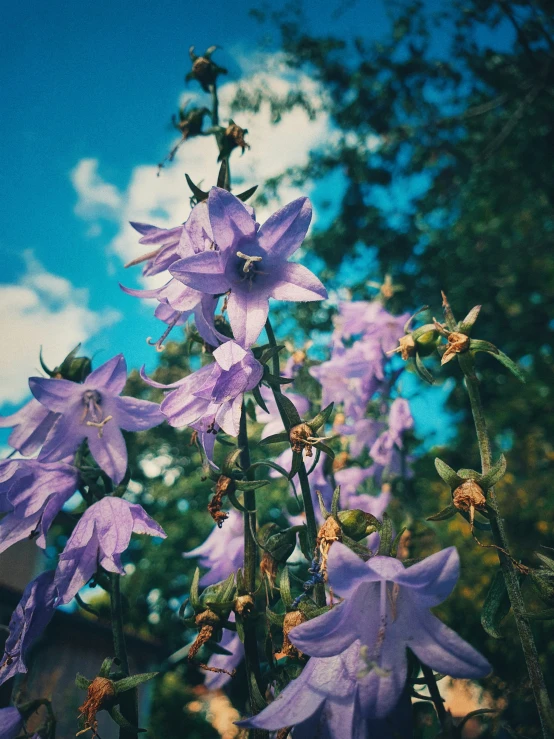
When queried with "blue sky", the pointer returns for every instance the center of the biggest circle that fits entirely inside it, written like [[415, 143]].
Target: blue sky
[[88, 91]]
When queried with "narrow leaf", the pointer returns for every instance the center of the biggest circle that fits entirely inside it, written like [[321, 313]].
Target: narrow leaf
[[128, 683], [445, 514], [196, 191], [321, 419], [325, 449], [276, 619], [495, 473], [422, 370], [447, 474], [194, 595], [259, 399], [509, 364], [279, 438], [284, 586], [385, 542], [467, 324], [247, 193], [288, 408], [496, 606], [251, 484], [82, 682]]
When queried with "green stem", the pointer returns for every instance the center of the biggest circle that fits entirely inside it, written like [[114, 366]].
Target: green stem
[[311, 523], [435, 695], [511, 578], [252, 659], [129, 699]]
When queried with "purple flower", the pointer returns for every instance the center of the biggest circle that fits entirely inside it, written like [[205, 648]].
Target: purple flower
[[251, 264], [11, 722], [31, 425], [370, 320], [363, 433], [166, 247], [31, 494], [329, 700], [211, 397], [94, 411], [385, 451], [272, 420], [223, 550], [232, 643], [386, 609], [28, 621], [102, 534]]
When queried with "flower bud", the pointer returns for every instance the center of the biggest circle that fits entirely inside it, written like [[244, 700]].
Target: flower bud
[[358, 524], [100, 694], [299, 436], [233, 137], [292, 619], [204, 70], [469, 495]]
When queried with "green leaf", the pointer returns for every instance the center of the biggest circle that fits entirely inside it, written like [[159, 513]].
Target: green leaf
[[335, 503], [251, 484], [447, 474], [250, 409], [467, 324], [496, 606], [296, 464], [362, 551], [547, 562], [194, 594], [422, 370], [120, 720], [259, 399], [325, 449], [396, 542], [321, 419], [247, 193], [82, 682], [258, 702], [467, 474], [284, 586], [222, 175], [445, 514], [230, 462], [128, 683], [231, 495], [304, 545], [276, 619], [385, 542], [509, 364], [279, 438], [105, 667], [288, 408], [496, 473], [196, 191]]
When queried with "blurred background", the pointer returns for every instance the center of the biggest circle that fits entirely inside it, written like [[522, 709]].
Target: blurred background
[[422, 131]]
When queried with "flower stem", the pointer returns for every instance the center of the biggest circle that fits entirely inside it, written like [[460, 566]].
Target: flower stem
[[435, 695], [311, 523], [511, 578], [252, 659], [129, 699]]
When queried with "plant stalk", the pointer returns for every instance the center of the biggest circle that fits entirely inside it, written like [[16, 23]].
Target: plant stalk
[[511, 579], [129, 699], [311, 523]]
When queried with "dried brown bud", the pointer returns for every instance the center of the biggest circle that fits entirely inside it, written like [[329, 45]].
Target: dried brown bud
[[457, 343], [327, 534], [100, 694], [234, 136], [292, 619], [244, 605], [299, 436], [406, 346], [468, 497], [206, 620], [223, 485], [268, 567]]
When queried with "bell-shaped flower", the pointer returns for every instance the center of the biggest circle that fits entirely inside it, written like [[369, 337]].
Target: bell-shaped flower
[[223, 550], [28, 621], [214, 393], [31, 425], [385, 451], [32, 493], [11, 722], [94, 411], [387, 609], [251, 264], [100, 537], [329, 700]]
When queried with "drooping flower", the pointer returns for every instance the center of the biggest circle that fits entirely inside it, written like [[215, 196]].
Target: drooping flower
[[32, 493], [11, 722], [31, 425], [212, 396], [386, 609], [362, 434], [28, 621], [251, 265], [223, 550], [385, 451], [228, 662], [100, 537], [94, 411], [329, 700]]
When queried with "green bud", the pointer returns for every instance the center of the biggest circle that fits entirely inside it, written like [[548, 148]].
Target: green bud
[[358, 524], [282, 544]]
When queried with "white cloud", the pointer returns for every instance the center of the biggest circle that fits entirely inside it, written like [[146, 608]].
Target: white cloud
[[43, 309], [164, 200], [96, 197]]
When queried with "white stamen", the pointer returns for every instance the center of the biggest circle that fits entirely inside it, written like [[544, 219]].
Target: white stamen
[[249, 260]]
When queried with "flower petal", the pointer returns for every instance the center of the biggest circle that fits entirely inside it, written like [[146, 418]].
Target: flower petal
[[133, 414], [228, 354], [297, 283], [247, 314], [145, 524], [434, 578], [229, 218], [284, 231], [110, 376], [204, 272], [345, 570], [109, 450], [56, 395], [64, 438]]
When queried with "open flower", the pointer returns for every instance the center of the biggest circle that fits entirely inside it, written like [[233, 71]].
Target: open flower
[[386, 609], [28, 621], [223, 550], [329, 699], [102, 534], [250, 264], [211, 397], [94, 411], [31, 494], [31, 424]]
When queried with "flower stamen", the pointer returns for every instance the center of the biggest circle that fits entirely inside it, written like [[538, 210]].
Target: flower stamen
[[249, 261], [99, 425]]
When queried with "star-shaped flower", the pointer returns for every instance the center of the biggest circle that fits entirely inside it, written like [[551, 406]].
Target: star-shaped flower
[[94, 411], [386, 608], [31, 424], [250, 263]]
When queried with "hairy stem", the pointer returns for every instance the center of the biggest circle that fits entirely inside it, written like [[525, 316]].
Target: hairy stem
[[129, 699], [311, 523], [506, 563], [252, 659], [435, 695]]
